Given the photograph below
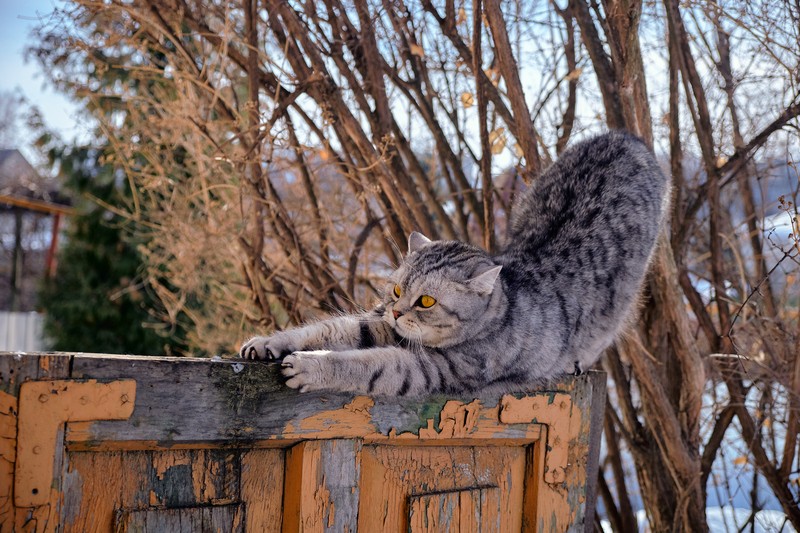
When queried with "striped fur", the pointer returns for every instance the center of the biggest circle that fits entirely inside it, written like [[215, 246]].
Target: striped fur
[[549, 303]]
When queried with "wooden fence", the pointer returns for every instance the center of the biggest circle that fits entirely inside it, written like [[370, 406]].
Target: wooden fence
[[124, 443]]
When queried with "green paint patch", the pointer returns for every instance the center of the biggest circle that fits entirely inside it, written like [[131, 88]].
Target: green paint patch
[[430, 409]]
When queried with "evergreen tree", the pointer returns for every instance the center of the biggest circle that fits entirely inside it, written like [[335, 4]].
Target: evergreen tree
[[97, 300]]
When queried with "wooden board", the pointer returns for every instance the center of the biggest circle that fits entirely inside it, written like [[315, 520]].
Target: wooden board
[[246, 403], [472, 510], [210, 519], [392, 475], [321, 488]]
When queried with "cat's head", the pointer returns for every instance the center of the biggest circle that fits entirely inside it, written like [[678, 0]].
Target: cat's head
[[441, 292]]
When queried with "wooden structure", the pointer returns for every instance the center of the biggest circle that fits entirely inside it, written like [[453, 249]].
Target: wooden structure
[[123, 443]]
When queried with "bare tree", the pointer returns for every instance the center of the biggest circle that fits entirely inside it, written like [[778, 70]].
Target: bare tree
[[281, 152]]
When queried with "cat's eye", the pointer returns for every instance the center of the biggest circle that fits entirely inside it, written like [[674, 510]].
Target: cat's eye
[[426, 301], [397, 291]]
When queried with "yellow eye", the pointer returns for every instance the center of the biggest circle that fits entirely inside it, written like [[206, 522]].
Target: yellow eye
[[397, 291], [426, 301]]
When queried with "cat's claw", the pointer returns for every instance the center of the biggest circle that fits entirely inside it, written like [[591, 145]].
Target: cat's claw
[[304, 370], [272, 348]]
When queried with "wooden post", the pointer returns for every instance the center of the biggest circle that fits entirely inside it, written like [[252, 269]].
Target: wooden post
[[16, 261], [50, 262]]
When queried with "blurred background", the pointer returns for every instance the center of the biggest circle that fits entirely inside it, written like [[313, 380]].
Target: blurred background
[[176, 176]]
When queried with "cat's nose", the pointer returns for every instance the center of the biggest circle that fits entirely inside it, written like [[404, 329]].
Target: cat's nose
[[397, 314]]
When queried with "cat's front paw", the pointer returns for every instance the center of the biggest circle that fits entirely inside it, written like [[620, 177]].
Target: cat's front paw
[[272, 348], [304, 370]]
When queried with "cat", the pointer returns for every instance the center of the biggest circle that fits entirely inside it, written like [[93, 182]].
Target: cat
[[456, 319]]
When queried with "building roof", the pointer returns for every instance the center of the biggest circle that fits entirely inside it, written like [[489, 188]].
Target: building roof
[[18, 178]]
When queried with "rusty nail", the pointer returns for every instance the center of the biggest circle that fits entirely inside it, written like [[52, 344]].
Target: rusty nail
[[124, 398], [534, 407], [563, 404], [43, 398], [84, 400], [37, 450]]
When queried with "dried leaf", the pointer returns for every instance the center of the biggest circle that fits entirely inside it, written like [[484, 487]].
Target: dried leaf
[[574, 75], [416, 50], [741, 460], [518, 150], [461, 18], [493, 74], [467, 100], [497, 140], [721, 160], [494, 135]]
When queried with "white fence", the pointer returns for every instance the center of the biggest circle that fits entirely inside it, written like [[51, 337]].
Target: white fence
[[21, 332]]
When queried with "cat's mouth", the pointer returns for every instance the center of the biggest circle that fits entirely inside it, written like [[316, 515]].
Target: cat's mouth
[[415, 333], [407, 330], [404, 330]]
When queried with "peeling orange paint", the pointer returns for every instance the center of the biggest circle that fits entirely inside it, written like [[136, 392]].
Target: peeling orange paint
[[457, 420], [322, 500], [554, 412], [399, 481], [200, 483], [8, 457], [352, 420], [163, 462], [44, 406]]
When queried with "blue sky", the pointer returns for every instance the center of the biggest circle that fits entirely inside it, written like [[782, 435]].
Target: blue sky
[[17, 19]]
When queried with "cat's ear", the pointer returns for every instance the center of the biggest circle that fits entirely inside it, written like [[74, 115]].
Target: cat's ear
[[416, 241], [484, 283]]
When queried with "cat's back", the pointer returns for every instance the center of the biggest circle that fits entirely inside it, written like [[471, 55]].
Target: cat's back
[[605, 193], [579, 245]]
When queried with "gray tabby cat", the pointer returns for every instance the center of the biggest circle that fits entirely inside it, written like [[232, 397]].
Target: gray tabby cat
[[458, 320]]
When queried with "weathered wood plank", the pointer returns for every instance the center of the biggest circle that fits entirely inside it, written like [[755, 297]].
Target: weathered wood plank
[[261, 484], [473, 510], [16, 369], [8, 458], [97, 484], [564, 499], [93, 486], [211, 519], [246, 403], [390, 475], [321, 489], [341, 470]]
